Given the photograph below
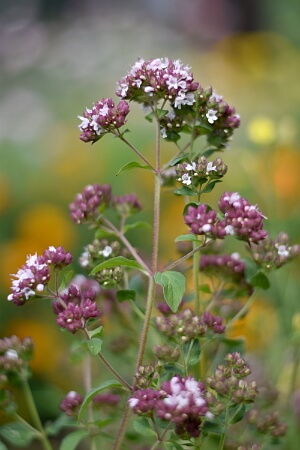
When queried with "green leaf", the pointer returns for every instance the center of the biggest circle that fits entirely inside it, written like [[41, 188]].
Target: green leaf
[[142, 426], [139, 224], [236, 413], [66, 279], [209, 187], [63, 421], [173, 284], [161, 113], [18, 434], [102, 234], [213, 427], [3, 446], [194, 353], [95, 333], [172, 136], [71, 441], [172, 446], [117, 261], [178, 159], [125, 294], [91, 394], [185, 190], [187, 237], [133, 165], [205, 288], [260, 280], [94, 345], [210, 151]]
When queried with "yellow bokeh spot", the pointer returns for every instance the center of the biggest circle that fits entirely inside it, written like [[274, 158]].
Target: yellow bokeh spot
[[258, 327], [13, 255], [261, 130], [47, 224]]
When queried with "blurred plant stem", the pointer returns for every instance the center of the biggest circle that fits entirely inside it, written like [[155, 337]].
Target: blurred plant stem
[[36, 421]]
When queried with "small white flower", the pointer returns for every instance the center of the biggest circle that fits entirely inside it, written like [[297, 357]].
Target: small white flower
[[103, 111], [11, 354], [133, 402], [186, 179], [84, 122], [171, 115], [210, 167], [229, 230], [206, 227], [282, 250], [163, 132], [211, 115], [107, 251], [191, 166], [148, 89]]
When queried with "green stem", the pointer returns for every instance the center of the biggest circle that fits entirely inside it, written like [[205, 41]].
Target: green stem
[[183, 258], [241, 311], [151, 285], [34, 415], [136, 151], [126, 243], [109, 366]]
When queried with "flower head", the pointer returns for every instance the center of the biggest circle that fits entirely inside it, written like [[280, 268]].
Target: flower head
[[104, 117], [30, 280], [90, 202], [156, 79]]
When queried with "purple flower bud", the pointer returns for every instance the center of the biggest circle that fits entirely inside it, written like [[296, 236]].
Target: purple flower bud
[[71, 403], [57, 257], [88, 204]]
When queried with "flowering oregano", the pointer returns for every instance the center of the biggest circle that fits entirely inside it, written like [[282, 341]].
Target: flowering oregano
[[189, 393]]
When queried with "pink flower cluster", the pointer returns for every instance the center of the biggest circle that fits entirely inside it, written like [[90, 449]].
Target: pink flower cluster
[[240, 219], [155, 79], [186, 326], [87, 204], [179, 400], [104, 117], [74, 307], [34, 276]]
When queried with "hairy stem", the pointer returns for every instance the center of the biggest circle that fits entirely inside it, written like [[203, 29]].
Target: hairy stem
[[151, 285]]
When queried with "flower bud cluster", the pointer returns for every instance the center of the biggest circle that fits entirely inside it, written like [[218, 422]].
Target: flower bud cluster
[[126, 205], [34, 276], [227, 380], [106, 400], [88, 204], [268, 424], [14, 356], [272, 254], [216, 113], [166, 353], [179, 400], [156, 79], [200, 172], [186, 326], [228, 267], [111, 277], [99, 251], [104, 117], [240, 219], [144, 377], [74, 307]]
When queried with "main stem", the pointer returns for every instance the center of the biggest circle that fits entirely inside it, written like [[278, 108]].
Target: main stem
[[151, 285]]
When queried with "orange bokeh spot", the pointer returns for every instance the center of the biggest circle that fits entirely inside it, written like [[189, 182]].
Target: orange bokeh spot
[[285, 177]]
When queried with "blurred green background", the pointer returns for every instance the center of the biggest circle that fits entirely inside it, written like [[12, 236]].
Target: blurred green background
[[57, 57]]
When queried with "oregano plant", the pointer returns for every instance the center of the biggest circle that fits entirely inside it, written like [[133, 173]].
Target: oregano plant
[[185, 384]]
